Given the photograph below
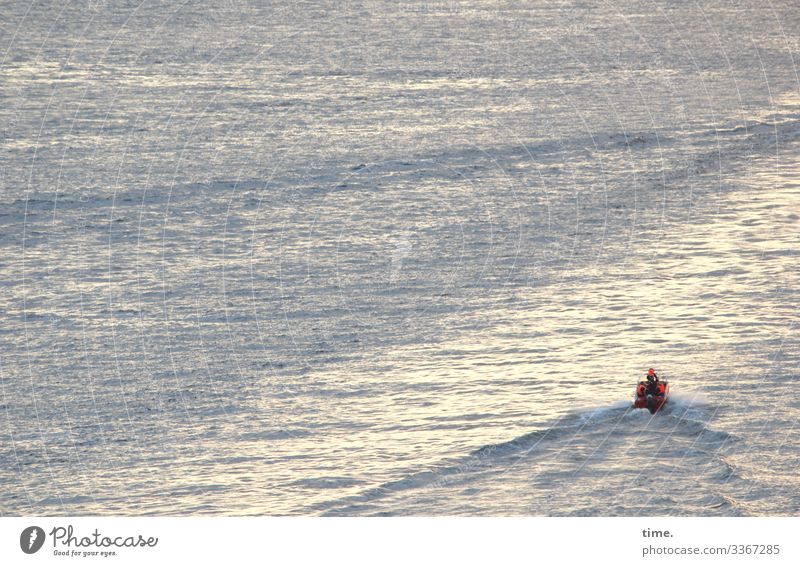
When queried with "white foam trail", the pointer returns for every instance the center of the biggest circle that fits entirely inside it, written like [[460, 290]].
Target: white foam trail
[[689, 399]]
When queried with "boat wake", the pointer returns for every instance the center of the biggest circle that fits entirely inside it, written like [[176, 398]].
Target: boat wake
[[589, 447]]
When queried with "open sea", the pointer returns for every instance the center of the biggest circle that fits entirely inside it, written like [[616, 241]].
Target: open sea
[[399, 258]]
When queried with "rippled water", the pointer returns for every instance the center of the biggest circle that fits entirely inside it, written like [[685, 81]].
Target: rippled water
[[398, 258]]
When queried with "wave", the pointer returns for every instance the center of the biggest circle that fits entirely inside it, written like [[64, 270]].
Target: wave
[[586, 438]]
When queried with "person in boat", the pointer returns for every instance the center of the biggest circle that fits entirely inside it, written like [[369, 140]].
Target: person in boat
[[652, 382]]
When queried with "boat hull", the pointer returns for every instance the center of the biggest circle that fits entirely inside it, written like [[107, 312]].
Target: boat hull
[[653, 402]]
